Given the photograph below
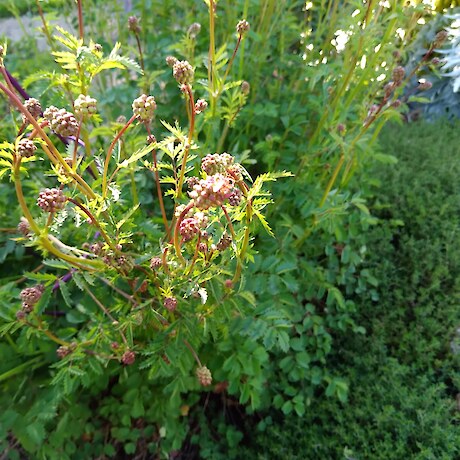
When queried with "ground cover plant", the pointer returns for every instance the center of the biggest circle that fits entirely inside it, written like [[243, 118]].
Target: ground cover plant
[[403, 373], [148, 294]]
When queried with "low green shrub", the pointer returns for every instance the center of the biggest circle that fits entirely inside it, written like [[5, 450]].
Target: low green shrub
[[403, 373]]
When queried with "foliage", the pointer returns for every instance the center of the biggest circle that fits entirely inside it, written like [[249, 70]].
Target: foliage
[[403, 373], [314, 108]]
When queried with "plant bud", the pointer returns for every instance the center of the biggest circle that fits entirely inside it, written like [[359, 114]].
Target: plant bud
[[133, 25], [24, 226], [398, 74], [200, 106], [85, 105], [397, 103], [424, 85], [171, 60], [245, 88], [242, 27], [30, 296], [26, 148], [144, 107], [440, 38], [183, 72], [155, 262], [194, 29], [204, 376], [170, 303], [34, 108], [51, 200], [128, 358], [61, 121]]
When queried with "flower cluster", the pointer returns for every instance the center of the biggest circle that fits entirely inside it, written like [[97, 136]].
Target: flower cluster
[[200, 106], [170, 303], [23, 226], [51, 199], [34, 108], [26, 148], [85, 106], [242, 27], [204, 376], [183, 72], [224, 242], [213, 191], [217, 163], [133, 25], [144, 107], [30, 296], [61, 121]]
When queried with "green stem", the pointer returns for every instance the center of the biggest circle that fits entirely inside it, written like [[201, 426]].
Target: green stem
[[109, 155], [189, 142], [332, 180], [31, 364]]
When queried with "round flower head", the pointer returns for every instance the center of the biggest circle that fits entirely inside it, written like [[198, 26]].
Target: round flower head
[[171, 60], [217, 163], [170, 303], [242, 27], [245, 88], [61, 121], [440, 38], [144, 107], [234, 198], [212, 191], [194, 29], [128, 357], [63, 351], [23, 226], [34, 108], [204, 376], [85, 105], [398, 74], [26, 148], [200, 106], [183, 72], [155, 262], [188, 228], [32, 295], [51, 200], [133, 24], [224, 242]]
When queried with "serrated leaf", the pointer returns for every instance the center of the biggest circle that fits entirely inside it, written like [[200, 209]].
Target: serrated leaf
[[65, 293]]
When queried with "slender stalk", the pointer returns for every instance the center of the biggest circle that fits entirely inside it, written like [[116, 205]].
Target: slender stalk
[[109, 155], [332, 180], [49, 334], [80, 19], [189, 142], [229, 66], [158, 186], [74, 157], [212, 56], [141, 56], [177, 231], [230, 225], [244, 247], [46, 31], [95, 222], [187, 344], [106, 312], [195, 256]]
